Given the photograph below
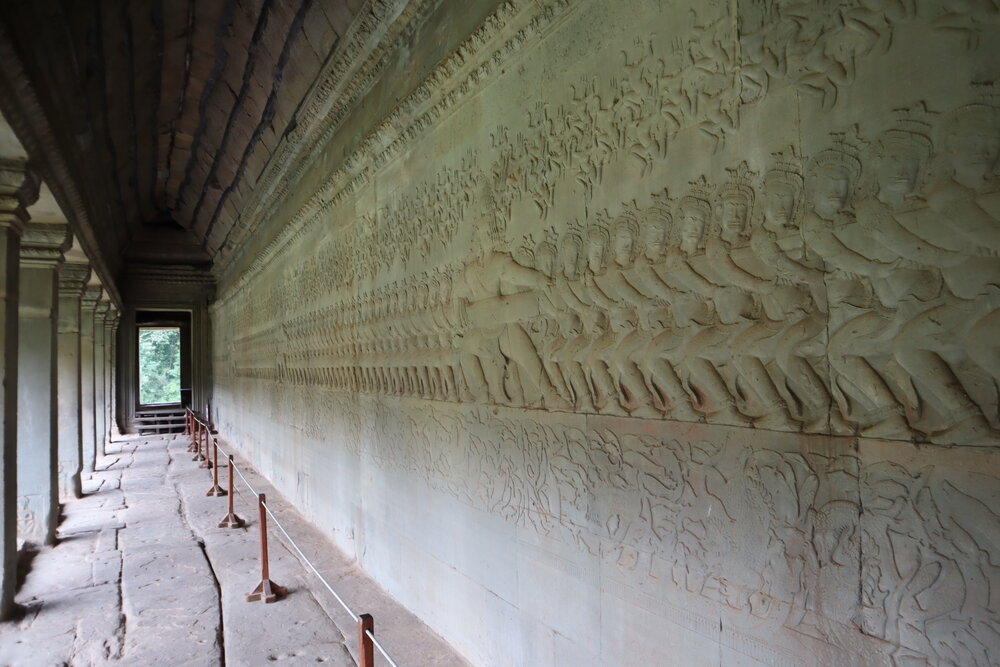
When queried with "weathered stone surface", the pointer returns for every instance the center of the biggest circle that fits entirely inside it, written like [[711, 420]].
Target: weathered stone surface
[[622, 306], [18, 189], [69, 363], [142, 574], [38, 472], [598, 332]]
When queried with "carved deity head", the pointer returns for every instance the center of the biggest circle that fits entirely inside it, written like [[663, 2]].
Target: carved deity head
[[901, 158], [833, 176], [972, 143], [656, 230], [737, 198], [597, 248], [783, 186], [695, 214], [623, 239], [571, 251]]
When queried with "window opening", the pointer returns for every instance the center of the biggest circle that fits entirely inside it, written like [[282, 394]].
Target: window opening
[[159, 365]]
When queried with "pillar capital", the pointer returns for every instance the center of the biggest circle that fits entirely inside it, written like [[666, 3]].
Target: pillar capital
[[111, 317], [18, 190], [102, 308], [91, 297], [73, 279], [43, 243]]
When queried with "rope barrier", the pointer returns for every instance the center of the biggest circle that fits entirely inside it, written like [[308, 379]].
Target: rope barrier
[[354, 617], [379, 647]]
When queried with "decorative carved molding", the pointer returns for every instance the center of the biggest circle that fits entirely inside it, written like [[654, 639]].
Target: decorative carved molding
[[380, 28], [18, 190], [44, 243], [464, 72], [91, 297], [73, 279]]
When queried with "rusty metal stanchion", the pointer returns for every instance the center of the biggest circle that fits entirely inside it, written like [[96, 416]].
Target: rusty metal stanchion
[[216, 490], [198, 456], [230, 520], [191, 431], [266, 590], [366, 649], [196, 440], [207, 460]]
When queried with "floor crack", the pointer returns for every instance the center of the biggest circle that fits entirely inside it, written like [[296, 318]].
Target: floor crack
[[182, 513]]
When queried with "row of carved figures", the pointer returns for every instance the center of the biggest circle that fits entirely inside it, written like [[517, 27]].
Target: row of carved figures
[[758, 301]]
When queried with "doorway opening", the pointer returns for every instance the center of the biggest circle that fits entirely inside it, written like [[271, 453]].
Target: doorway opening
[[162, 370], [159, 365]]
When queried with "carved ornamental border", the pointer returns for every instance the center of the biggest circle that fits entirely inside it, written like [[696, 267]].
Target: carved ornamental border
[[463, 73]]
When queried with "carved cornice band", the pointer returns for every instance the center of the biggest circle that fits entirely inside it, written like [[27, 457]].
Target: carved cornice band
[[470, 66]]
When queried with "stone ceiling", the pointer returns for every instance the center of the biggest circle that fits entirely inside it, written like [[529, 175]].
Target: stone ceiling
[[166, 112]]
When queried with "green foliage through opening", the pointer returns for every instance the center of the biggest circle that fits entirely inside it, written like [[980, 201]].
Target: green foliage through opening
[[159, 365]]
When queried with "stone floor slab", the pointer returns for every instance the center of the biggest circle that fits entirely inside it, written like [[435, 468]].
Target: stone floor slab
[[142, 574]]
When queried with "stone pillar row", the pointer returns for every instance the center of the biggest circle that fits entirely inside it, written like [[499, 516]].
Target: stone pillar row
[[56, 365]]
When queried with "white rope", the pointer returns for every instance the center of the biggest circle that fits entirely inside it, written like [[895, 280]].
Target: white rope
[[312, 567], [249, 485], [308, 562], [379, 647]]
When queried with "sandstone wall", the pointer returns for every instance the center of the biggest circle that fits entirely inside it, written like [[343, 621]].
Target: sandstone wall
[[656, 332]]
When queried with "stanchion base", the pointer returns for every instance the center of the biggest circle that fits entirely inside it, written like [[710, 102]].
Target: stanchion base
[[231, 521], [191, 448], [216, 491], [199, 457], [206, 463], [268, 591]]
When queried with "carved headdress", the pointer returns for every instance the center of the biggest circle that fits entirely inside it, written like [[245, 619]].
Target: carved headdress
[[843, 156], [738, 190], [698, 202], [786, 174], [982, 118], [598, 237], [627, 222], [572, 249], [912, 127]]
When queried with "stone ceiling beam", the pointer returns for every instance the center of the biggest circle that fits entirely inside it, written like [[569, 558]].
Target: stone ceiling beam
[[21, 108]]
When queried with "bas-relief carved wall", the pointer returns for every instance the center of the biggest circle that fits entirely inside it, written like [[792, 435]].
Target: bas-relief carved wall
[[668, 293]]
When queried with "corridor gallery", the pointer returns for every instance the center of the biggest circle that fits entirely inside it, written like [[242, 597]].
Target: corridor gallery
[[583, 332]]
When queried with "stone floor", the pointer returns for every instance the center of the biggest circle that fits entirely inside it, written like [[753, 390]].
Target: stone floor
[[141, 574]]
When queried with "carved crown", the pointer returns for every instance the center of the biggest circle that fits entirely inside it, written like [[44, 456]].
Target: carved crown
[[787, 167], [740, 183], [699, 195], [845, 153]]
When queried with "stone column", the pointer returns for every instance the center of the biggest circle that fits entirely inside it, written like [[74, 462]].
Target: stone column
[[100, 368], [91, 295], [18, 189], [42, 246], [72, 279], [111, 348]]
